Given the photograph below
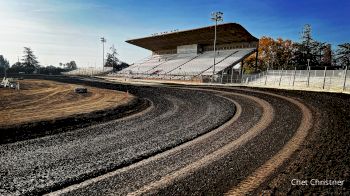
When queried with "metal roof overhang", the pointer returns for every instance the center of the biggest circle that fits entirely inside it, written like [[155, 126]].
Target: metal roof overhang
[[226, 34]]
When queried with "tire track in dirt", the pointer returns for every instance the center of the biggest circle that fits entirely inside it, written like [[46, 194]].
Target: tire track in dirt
[[262, 173]]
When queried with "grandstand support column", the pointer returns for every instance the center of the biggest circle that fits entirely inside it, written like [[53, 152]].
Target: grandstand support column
[[227, 76], [256, 57], [242, 71], [232, 74], [345, 71]]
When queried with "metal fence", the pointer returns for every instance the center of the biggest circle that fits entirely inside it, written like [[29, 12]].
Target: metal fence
[[320, 80], [324, 80]]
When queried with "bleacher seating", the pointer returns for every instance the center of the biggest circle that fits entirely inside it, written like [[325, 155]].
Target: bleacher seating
[[89, 71], [181, 66], [202, 63], [172, 64], [148, 64], [231, 59]]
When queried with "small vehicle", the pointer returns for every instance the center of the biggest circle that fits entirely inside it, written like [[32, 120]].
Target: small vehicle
[[81, 90], [8, 83]]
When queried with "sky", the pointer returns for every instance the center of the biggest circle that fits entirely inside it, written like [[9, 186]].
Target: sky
[[64, 30]]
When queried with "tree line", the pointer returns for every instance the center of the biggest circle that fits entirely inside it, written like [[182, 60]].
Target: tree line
[[286, 54], [29, 64]]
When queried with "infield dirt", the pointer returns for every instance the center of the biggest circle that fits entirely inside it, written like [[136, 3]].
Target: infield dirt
[[45, 100]]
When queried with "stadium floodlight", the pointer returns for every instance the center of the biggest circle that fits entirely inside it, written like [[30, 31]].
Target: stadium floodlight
[[103, 40], [217, 17]]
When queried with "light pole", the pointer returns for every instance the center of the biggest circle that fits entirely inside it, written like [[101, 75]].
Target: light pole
[[217, 17], [103, 40]]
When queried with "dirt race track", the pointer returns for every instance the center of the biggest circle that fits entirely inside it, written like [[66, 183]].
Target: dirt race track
[[192, 140], [44, 100]]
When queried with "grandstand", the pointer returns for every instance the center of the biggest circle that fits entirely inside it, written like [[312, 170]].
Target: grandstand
[[189, 55]]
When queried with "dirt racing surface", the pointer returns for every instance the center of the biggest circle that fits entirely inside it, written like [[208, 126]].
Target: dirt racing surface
[[45, 100], [192, 141]]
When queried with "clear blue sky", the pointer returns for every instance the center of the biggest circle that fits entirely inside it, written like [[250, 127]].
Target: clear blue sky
[[64, 30]]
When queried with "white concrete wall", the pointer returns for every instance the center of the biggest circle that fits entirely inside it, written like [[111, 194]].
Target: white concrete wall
[[193, 48]]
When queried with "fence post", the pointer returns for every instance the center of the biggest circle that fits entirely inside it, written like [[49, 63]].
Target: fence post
[[295, 72], [267, 72], [308, 77], [279, 83], [324, 76], [344, 85]]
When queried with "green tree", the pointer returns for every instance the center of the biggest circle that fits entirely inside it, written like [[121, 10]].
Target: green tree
[[29, 61], [112, 60], [308, 48], [71, 65], [343, 54], [4, 65]]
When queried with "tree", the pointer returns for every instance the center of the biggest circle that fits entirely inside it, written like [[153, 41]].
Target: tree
[[51, 70], [273, 54], [30, 62], [327, 55], [4, 65], [71, 65], [113, 61], [318, 53], [343, 54]]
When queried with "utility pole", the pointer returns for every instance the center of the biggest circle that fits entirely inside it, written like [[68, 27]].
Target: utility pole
[[217, 17], [103, 40]]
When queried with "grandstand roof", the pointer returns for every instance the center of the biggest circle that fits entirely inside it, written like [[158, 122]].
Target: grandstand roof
[[226, 33]]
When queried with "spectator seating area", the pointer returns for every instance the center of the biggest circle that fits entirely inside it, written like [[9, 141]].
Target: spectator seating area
[[185, 66]]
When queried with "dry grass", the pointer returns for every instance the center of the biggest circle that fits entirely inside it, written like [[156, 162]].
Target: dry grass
[[45, 100]]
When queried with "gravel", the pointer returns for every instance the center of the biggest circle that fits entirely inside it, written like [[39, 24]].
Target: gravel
[[53, 162], [48, 163]]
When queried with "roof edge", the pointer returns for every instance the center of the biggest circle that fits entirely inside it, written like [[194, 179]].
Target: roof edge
[[188, 30]]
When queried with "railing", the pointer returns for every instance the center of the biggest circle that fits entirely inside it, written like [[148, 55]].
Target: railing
[[327, 80], [319, 80]]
